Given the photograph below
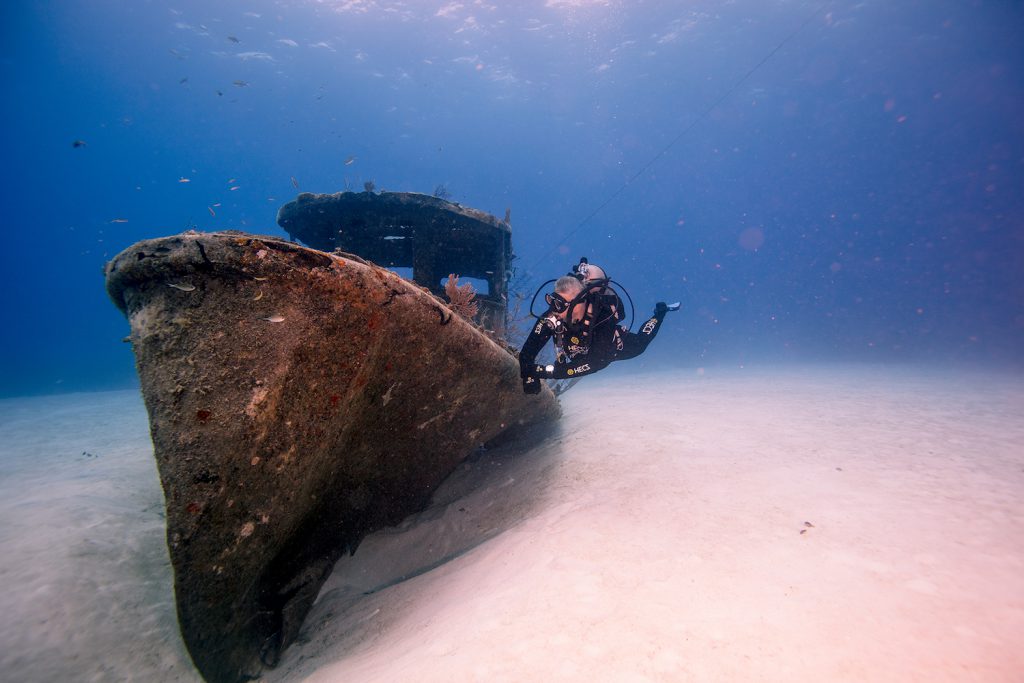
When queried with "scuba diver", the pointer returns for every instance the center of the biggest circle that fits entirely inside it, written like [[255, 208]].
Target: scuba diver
[[583, 317]]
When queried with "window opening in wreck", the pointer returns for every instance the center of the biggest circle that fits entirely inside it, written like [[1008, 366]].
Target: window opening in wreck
[[481, 287]]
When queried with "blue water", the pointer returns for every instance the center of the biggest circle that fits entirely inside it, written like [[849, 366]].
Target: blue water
[[815, 181]]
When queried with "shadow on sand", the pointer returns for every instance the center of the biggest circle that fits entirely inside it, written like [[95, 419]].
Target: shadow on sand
[[490, 493]]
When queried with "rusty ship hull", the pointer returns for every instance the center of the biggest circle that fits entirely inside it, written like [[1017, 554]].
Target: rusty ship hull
[[298, 400]]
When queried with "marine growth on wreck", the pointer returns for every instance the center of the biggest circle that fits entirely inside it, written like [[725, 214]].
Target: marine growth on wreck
[[299, 399]]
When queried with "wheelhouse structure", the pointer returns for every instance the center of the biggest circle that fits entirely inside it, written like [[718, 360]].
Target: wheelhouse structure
[[432, 236]]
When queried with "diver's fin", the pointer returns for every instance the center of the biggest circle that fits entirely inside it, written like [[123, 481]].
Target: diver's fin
[[661, 308]]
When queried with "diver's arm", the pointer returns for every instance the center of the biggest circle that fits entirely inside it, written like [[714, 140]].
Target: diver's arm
[[539, 336], [586, 365], [529, 371]]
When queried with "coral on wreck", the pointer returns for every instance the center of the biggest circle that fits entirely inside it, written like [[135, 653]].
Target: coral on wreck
[[461, 297]]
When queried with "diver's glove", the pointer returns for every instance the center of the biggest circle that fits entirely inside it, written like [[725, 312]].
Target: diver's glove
[[532, 375], [661, 308], [534, 370]]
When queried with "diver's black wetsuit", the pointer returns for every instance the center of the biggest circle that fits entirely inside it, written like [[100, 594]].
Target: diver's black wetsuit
[[579, 353]]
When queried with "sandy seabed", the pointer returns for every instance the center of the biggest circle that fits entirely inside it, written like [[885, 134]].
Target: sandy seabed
[[811, 523]]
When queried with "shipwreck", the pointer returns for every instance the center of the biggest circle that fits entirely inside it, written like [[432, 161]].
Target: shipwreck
[[301, 398]]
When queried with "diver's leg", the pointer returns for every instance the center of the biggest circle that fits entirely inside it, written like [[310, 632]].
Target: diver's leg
[[635, 343]]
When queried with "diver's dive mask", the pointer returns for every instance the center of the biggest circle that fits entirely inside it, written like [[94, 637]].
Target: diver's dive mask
[[559, 304], [556, 302]]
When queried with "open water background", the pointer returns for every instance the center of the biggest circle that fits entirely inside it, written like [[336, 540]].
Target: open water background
[[857, 192]]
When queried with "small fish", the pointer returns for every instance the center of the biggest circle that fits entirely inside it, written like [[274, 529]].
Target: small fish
[[233, 39], [232, 181], [258, 297], [217, 204], [351, 160], [119, 220], [185, 287], [232, 189], [212, 212], [78, 143], [808, 525], [240, 84], [183, 81], [184, 180], [295, 182], [275, 319], [220, 94], [260, 279]]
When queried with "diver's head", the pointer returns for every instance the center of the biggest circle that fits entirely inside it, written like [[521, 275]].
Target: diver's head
[[568, 286], [567, 296]]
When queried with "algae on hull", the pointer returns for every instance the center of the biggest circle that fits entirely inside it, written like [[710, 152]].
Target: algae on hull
[[280, 445]]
